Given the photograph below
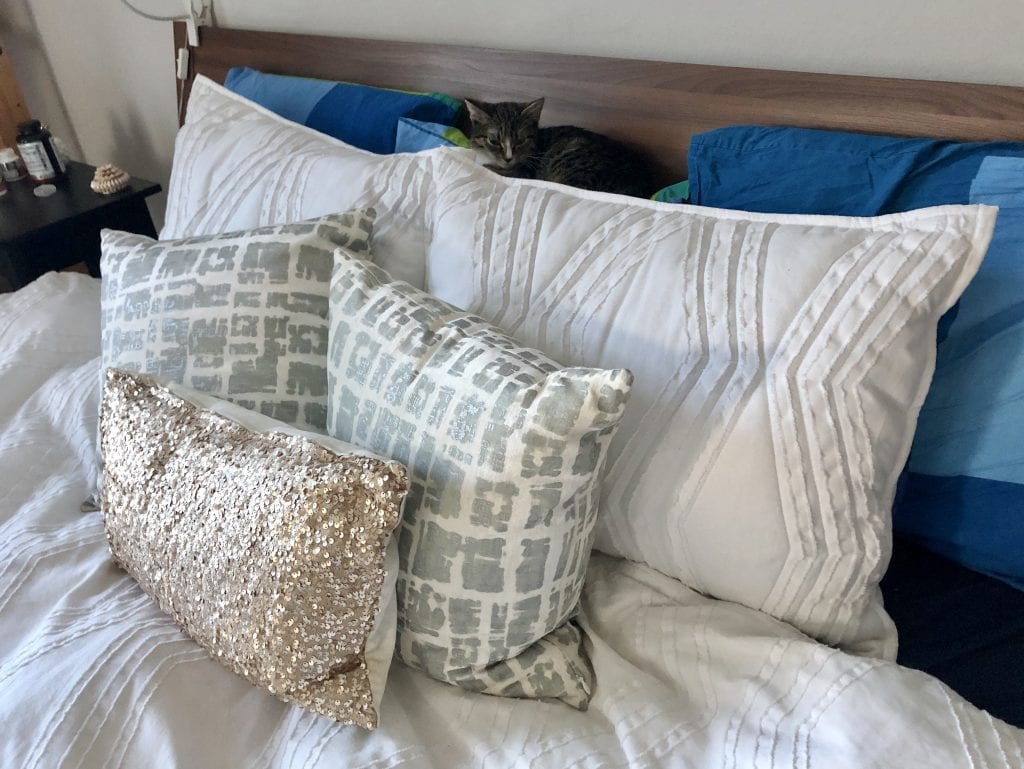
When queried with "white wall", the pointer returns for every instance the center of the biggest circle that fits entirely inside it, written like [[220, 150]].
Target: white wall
[[114, 71], [24, 48]]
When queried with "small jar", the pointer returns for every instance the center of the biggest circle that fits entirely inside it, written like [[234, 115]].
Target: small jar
[[11, 167], [36, 147]]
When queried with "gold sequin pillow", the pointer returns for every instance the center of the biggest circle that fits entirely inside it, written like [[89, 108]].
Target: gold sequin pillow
[[269, 546]]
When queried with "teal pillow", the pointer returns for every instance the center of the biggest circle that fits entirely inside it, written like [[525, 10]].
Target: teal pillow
[[674, 193], [360, 115]]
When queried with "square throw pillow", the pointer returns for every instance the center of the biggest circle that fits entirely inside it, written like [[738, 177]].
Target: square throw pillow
[[780, 364], [238, 165], [271, 548], [964, 492], [242, 316], [505, 450]]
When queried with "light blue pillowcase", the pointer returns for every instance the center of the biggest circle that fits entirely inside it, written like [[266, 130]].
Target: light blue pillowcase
[[416, 135], [965, 491]]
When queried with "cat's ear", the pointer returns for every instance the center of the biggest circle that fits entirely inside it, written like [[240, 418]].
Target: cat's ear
[[477, 114], [532, 110]]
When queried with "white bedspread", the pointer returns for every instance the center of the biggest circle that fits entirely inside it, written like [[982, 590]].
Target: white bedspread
[[93, 675]]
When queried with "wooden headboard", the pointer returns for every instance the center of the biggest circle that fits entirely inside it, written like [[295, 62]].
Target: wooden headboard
[[656, 106]]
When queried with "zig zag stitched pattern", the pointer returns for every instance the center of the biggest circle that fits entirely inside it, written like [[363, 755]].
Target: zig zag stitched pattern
[[239, 166], [779, 363]]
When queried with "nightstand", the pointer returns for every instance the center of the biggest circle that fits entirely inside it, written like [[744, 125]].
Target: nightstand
[[42, 234]]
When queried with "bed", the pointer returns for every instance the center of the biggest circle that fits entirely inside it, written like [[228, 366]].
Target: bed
[[93, 674]]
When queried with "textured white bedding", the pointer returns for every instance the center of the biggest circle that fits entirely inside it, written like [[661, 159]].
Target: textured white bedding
[[92, 675]]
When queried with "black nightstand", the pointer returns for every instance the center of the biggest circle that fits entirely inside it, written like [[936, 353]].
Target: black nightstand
[[42, 234]]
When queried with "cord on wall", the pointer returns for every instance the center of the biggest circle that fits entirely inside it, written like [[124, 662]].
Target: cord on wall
[[151, 16], [197, 12]]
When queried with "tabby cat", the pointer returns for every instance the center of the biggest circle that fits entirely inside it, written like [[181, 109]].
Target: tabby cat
[[509, 135]]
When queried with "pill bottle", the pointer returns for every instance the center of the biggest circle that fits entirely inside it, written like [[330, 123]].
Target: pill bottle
[[11, 167], [36, 147]]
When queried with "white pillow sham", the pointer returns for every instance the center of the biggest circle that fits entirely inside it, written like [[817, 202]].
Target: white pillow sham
[[780, 362], [238, 166]]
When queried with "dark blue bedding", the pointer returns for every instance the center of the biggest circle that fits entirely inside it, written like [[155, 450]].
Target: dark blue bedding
[[963, 627]]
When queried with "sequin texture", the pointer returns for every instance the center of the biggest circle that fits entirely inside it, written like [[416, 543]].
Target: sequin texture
[[267, 549]]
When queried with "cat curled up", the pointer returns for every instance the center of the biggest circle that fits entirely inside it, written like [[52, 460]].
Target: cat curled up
[[510, 137]]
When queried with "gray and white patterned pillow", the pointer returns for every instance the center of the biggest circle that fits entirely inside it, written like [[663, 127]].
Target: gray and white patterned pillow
[[505, 450], [242, 316]]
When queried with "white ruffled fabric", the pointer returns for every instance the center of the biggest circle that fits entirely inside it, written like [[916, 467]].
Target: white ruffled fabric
[[93, 675]]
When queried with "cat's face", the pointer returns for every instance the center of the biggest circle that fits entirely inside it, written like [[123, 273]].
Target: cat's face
[[506, 132]]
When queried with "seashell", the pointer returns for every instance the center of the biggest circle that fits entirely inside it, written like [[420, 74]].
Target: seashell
[[109, 179]]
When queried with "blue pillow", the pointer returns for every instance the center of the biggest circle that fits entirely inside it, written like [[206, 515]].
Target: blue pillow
[[360, 115], [963, 494], [415, 135]]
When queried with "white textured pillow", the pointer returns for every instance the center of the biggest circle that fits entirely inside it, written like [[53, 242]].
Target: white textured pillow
[[239, 166], [780, 362]]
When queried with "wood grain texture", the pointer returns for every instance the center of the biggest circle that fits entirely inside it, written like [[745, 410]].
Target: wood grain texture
[[12, 103], [653, 105]]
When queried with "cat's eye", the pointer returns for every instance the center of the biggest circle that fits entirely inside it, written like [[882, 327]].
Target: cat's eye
[[493, 141]]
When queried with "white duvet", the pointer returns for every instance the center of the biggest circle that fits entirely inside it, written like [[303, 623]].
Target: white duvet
[[93, 675]]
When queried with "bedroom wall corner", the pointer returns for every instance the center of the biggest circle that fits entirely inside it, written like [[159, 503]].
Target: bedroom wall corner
[[114, 74], [24, 47]]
